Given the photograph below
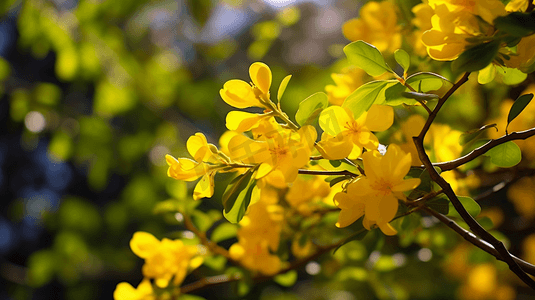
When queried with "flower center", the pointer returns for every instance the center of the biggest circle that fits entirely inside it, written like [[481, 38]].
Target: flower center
[[278, 152], [353, 127], [382, 186]]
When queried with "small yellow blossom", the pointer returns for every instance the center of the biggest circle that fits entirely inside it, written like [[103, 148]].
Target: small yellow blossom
[[302, 193], [279, 149], [376, 195], [377, 25], [164, 260], [240, 94], [206, 163], [346, 137], [125, 291]]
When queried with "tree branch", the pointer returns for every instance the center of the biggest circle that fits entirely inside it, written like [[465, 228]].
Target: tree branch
[[520, 135]]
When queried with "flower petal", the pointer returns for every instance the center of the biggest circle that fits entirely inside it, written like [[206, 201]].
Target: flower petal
[[333, 119], [205, 187], [379, 117], [406, 185], [242, 121], [337, 147], [239, 94], [261, 76], [143, 244], [387, 229]]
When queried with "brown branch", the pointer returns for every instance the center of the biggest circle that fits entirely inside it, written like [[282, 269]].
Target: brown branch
[[483, 245], [472, 223], [327, 172], [520, 135]]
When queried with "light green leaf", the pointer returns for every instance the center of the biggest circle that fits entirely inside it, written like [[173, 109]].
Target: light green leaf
[[487, 74], [310, 108], [367, 57], [424, 82], [511, 76], [505, 155], [476, 58], [393, 96], [471, 206], [362, 98], [282, 87], [223, 232], [403, 59], [287, 279]]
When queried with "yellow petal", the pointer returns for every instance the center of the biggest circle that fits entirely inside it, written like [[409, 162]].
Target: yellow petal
[[242, 121], [348, 217], [205, 187], [199, 148], [263, 170], [143, 244], [125, 291], [379, 117], [387, 229], [261, 76], [308, 135], [239, 94], [388, 207], [244, 149], [333, 119], [337, 147], [406, 185], [185, 169]]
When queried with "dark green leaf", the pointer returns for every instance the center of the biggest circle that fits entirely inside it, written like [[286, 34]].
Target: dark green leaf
[[440, 204], [366, 57], [516, 24], [471, 206], [403, 59], [360, 233], [518, 106], [362, 98], [476, 58], [393, 96], [505, 155], [200, 9], [338, 179], [486, 223], [310, 108], [234, 188], [237, 211], [471, 135]]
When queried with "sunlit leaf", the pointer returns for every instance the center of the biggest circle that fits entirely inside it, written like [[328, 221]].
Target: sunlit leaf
[[367, 94], [223, 232], [487, 74], [282, 87], [237, 197], [287, 279], [403, 59], [424, 82], [511, 76], [471, 206], [505, 155], [471, 135], [310, 108], [366, 57]]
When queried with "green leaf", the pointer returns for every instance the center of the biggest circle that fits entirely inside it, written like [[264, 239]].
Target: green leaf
[[241, 203], [310, 108], [471, 135], [223, 232], [487, 74], [518, 106], [234, 188], [471, 206], [393, 96], [505, 155], [511, 76], [287, 279], [424, 82], [486, 223], [403, 59], [367, 57], [516, 24], [282, 87], [440, 204], [476, 58], [362, 98], [338, 179]]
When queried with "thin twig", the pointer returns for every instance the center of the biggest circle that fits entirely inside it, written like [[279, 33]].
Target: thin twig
[[520, 135]]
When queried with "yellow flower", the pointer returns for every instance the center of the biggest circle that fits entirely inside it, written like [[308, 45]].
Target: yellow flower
[[164, 259], [279, 149], [303, 192], [455, 21], [346, 137], [240, 94], [125, 291], [524, 56], [377, 25], [422, 19], [376, 195], [522, 195], [345, 83], [207, 162]]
